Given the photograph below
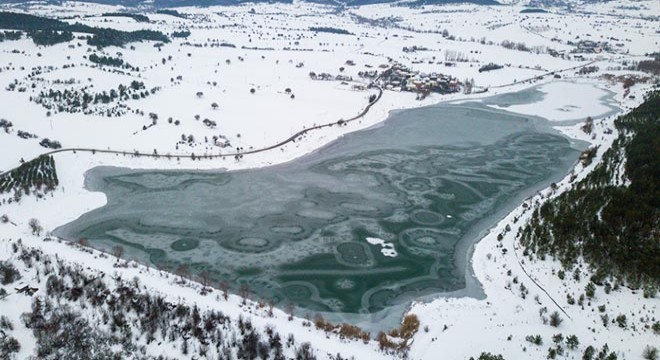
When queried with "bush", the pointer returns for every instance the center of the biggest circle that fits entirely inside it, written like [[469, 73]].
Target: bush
[[650, 353], [5, 323], [555, 319], [622, 321], [8, 346], [572, 342], [590, 290], [656, 327], [534, 339], [304, 352], [488, 356], [8, 273]]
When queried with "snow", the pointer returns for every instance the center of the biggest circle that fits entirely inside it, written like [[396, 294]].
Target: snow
[[387, 249], [565, 101], [270, 116], [506, 317]]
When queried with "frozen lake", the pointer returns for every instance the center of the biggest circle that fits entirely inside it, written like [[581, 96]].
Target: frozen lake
[[365, 223]]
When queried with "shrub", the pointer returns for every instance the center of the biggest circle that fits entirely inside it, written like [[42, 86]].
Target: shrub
[[555, 319], [8, 273], [572, 342], [622, 321], [488, 356], [8, 345], [534, 339], [590, 290], [650, 353]]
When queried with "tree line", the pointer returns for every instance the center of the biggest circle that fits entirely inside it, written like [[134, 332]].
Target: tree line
[[49, 31]]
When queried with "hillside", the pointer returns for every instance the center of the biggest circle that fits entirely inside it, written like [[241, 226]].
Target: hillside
[[611, 217]]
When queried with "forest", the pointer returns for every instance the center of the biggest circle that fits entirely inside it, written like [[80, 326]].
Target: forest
[[610, 218], [33, 174], [330, 30], [50, 37], [51, 31], [136, 17], [79, 315]]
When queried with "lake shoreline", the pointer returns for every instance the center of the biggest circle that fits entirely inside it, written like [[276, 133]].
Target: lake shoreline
[[464, 248]]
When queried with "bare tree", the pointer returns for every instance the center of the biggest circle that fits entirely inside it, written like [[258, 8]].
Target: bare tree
[[244, 292], [588, 125], [289, 309], [118, 251], [182, 271], [271, 304], [215, 106], [224, 287], [205, 278]]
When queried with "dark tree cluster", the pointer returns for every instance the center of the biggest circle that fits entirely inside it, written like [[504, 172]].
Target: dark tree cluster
[[8, 346], [26, 135], [6, 124], [331, 30], [613, 226], [10, 35], [50, 37], [111, 61], [181, 34], [100, 37], [512, 45], [588, 70], [488, 356], [171, 13], [75, 100], [112, 37], [50, 144], [8, 273], [136, 17], [650, 66], [490, 67], [34, 174]]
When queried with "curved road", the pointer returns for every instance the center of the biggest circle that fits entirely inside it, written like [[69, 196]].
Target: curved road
[[292, 138]]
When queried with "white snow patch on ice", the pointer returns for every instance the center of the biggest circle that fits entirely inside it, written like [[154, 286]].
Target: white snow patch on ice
[[565, 101], [387, 249]]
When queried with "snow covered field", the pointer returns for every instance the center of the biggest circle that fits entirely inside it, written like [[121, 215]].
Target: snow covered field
[[274, 52]]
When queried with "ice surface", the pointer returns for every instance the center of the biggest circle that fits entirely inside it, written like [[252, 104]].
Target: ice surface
[[296, 232]]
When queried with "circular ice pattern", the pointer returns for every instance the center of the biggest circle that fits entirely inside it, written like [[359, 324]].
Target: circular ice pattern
[[185, 244], [353, 254], [426, 217], [417, 184], [426, 239]]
